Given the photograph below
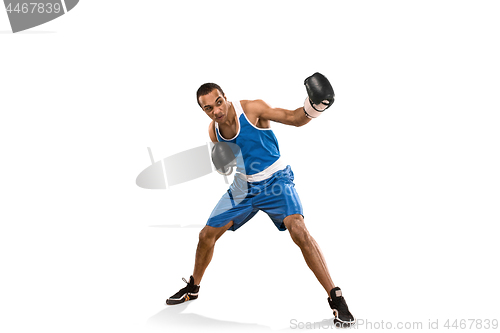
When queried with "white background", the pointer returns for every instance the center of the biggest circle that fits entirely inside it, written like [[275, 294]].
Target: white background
[[399, 179]]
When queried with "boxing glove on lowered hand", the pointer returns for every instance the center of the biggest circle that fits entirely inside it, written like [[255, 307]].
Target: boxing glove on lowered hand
[[223, 158], [320, 95]]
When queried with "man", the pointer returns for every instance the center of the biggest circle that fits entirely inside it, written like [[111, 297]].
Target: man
[[263, 182]]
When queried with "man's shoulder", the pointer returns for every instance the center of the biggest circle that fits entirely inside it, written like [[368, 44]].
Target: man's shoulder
[[211, 131], [252, 105]]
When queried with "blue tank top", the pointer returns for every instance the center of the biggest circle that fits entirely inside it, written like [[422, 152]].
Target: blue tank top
[[258, 146]]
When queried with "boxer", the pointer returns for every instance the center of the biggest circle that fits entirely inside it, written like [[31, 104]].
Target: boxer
[[263, 182]]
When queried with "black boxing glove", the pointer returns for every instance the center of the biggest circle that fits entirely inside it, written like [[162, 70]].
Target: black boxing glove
[[223, 158], [320, 95]]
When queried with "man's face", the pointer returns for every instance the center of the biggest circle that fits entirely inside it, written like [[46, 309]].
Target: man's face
[[215, 105]]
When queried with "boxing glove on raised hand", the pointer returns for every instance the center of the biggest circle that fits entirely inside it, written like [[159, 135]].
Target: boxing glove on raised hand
[[223, 158], [320, 95]]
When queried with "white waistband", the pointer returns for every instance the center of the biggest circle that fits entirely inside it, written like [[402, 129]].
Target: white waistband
[[268, 172]]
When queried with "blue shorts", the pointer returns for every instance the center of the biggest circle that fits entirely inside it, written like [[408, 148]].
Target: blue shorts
[[276, 196]]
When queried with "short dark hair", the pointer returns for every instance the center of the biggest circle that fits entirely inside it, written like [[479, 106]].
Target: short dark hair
[[206, 89]]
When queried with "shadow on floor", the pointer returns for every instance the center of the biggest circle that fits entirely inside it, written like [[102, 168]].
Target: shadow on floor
[[173, 316]]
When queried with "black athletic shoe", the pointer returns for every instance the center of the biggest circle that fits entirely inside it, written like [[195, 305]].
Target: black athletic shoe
[[343, 318], [187, 293]]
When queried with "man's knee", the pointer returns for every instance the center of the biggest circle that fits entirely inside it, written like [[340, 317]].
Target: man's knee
[[297, 228], [205, 235], [209, 235]]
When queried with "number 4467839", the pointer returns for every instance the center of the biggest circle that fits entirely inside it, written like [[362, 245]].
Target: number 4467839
[[471, 323], [34, 7]]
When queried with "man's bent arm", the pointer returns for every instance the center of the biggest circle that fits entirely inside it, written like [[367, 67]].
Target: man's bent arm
[[295, 117]]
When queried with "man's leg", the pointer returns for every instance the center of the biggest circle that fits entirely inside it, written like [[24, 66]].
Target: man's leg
[[204, 253], [205, 250], [310, 250]]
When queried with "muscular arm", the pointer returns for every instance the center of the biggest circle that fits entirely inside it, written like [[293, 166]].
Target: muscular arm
[[262, 110]]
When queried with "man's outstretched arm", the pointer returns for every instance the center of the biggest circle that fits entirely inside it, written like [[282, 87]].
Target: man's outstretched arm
[[295, 117], [320, 97]]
